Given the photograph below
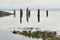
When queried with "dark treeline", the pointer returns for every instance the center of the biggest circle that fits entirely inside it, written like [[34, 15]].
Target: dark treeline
[[3, 13], [21, 15]]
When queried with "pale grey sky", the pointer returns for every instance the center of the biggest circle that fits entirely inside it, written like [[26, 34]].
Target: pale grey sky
[[30, 3]]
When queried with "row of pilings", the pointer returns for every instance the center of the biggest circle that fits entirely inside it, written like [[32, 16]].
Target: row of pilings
[[28, 13]]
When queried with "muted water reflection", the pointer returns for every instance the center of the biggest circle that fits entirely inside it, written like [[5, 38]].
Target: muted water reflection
[[10, 23]]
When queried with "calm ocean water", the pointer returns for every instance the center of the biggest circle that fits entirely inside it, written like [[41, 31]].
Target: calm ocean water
[[9, 23]]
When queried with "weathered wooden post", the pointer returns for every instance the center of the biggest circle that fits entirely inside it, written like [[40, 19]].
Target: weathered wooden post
[[38, 15], [27, 13], [14, 13], [46, 13], [21, 14]]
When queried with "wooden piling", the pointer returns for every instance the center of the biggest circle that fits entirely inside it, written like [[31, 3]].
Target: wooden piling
[[38, 15], [20, 19], [46, 13], [27, 13], [21, 15], [14, 13]]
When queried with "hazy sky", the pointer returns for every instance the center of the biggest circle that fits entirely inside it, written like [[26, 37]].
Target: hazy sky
[[30, 3]]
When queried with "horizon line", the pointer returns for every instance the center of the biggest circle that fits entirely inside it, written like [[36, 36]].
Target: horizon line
[[33, 9]]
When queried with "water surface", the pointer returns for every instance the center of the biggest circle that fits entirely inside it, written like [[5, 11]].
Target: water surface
[[9, 23]]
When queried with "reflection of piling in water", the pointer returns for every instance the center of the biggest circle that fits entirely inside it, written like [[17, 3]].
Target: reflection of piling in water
[[46, 13], [21, 14], [38, 15], [27, 14], [14, 13]]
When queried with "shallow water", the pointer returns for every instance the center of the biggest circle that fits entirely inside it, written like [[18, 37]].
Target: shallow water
[[9, 23]]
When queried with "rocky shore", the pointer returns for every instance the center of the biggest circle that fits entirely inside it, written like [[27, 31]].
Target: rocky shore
[[45, 35]]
